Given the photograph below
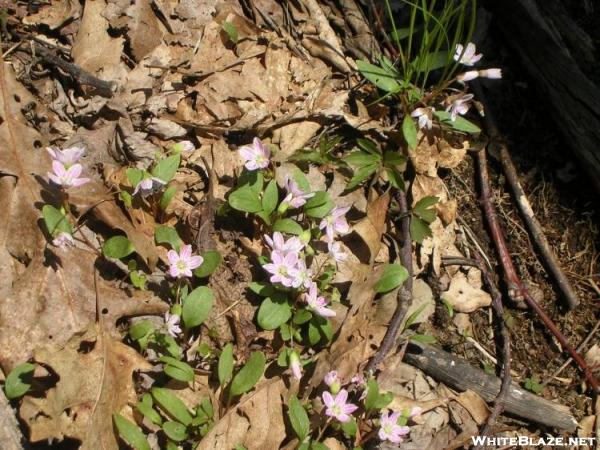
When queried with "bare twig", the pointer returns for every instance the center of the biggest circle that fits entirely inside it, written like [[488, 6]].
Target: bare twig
[[405, 291], [516, 290], [500, 400], [534, 227]]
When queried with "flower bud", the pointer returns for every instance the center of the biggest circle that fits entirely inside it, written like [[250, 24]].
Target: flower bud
[[295, 365], [176, 309], [305, 236]]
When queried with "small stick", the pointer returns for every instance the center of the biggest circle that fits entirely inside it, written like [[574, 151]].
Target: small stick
[[405, 291], [533, 225], [516, 290], [500, 400]]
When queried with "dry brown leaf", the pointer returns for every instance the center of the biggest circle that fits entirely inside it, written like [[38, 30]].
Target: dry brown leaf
[[463, 296], [55, 14], [256, 422], [145, 30], [93, 385], [475, 405], [372, 226]]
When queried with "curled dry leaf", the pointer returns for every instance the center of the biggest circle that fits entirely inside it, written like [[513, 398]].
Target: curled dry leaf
[[92, 386], [55, 14], [476, 405]]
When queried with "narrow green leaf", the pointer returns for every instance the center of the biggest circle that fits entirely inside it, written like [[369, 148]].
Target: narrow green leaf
[[423, 338], [409, 130], [431, 61], [231, 31], [274, 311], [19, 381], [166, 168], [368, 146], [393, 276], [168, 195], [361, 175], [381, 77], [225, 365], [141, 329], [144, 406], [289, 226], [130, 433], [270, 198], [393, 159], [249, 375], [245, 199], [298, 418], [360, 158], [134, 176], [164, 234], [212, 259], [117, 247], [175, 431], [197, 306], [372, 394], [172, 405], [459, 124], [178, 370]]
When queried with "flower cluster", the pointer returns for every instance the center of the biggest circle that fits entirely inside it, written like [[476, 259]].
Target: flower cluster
[[65, 167]]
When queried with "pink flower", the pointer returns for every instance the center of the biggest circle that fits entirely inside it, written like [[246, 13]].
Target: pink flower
[[336, 252], [67, 177], [279, 244], [282, 268], [424, 115], [295, 365], [66, 157], [459, 106], [148, 185], [359, 380], [333, 381], [295, 197], [184, 262], [467, 76], [337, 407], [468, 57], [256, 156], [302, 275], [390, 430], [63, 240], [172, 324], [317, 303], [415, 411], [184, 146], [335, 222], [494, 74]]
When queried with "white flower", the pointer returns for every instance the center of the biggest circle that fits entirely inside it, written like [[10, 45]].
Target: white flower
[[256, 156], [63, 240], [316, 303], [494, 74], [66, 157], [460, 106], [182, 263], [425, 115], [336, 252], [468, 57], [335, 222], [147, 186], [172, 324], [67, 177], [467, 76], [279, 244], [295, 197]]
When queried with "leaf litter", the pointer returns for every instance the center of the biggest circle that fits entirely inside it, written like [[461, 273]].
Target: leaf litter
[[178, 74]]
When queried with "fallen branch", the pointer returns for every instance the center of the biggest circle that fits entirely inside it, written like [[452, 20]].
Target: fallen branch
[[516, 290], [460, 375], [405, 291], [500, 400], [534, 227]]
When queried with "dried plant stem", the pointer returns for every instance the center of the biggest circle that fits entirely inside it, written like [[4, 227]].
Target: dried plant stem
[[516, 290], [500, 400], [405, 291], [535, 229]]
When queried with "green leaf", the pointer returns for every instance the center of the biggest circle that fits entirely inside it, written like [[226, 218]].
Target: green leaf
[[134, 176], [117, 247], [414, 316], [169, 344], [225, 365], [274, 311], [298, 418], [301, 180], [423, 338], [375, 400], [253, 179], [419, 229], [423, 208], [167, 196], [393, 276], [431, 61], [231, 31], [176, 369], [319, 205], [409, 130], [130, 433], [349, 428], [261, 288], [289, 226], [368, 146], [401, 33], [249, 375], [141, 329], [319, 328], [212, 259], [197, 306], [56, 221], [165, 234], [381, 77], [459, 124], [393, 159], [144, 406], [166, 168], [138, 279], [245, 199], [395, 178], [19, 381], [360, 159], [302, 316], [361, 175], [172, 405], [270, 198], [175, 431]]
